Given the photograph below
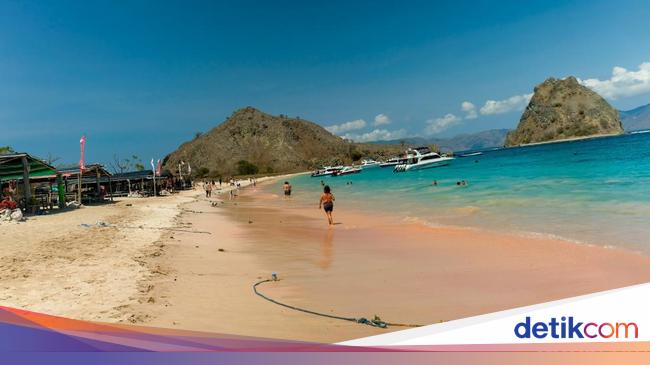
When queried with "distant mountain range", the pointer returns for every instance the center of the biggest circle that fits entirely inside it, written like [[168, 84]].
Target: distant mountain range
[[461, 142], [636, 119]]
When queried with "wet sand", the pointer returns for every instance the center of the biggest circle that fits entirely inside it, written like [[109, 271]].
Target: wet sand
[[361, 267]]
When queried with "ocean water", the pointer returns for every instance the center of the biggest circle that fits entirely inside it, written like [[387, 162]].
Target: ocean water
[[590, 191]]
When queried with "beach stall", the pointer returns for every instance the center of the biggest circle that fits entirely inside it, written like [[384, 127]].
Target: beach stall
[[139, 183], [85, 186], [27, 181]]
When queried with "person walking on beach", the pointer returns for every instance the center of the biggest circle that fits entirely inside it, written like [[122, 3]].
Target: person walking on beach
[[327, 202], [208, 189], [287, 188]]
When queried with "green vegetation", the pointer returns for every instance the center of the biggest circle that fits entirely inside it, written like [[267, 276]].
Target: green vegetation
[[121, 165], [202, 172], [246, 168], [5, 150]]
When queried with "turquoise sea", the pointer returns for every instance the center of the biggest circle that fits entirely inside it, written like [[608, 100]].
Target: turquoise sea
[[591, 191]]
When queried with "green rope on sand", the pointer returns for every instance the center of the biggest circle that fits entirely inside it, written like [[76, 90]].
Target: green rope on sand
[[375, 322]]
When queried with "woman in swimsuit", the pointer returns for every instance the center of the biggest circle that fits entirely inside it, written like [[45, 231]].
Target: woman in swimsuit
[[327, 202]]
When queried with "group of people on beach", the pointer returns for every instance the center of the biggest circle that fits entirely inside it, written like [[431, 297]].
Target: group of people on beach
[[209, 185]]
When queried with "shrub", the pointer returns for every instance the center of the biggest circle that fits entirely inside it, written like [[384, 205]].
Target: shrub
[[246, 168], [356, 155], [202, 172]]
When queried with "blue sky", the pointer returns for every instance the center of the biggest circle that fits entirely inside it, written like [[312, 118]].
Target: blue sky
[[143, 77]]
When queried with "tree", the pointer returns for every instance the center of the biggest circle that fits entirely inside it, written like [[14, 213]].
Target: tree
[[6, 150], [202, 172], [51, 159], [356, 155], [246, 168], [121, 165]]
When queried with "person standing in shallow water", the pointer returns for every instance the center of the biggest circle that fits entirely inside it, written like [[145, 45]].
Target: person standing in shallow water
[[327, 202], [287, 188]]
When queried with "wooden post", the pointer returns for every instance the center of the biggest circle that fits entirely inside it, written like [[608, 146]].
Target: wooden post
[[79, 187], [110, 187], [154, 183], [61, 190], [26, 186], [98, 187]]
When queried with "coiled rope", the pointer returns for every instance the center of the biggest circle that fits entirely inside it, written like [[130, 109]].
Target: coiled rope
[[375, 322]]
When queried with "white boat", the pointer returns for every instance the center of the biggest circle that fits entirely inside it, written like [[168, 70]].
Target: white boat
[[368, 163], [326, 171], [347, 170], [393, 161], [471, 154], [422, 158], [641, 131]]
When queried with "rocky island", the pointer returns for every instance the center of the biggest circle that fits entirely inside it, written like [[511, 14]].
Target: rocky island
[[564, 109]]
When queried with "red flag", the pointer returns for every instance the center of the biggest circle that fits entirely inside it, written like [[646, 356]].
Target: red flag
[[158, 167], [82, 143]]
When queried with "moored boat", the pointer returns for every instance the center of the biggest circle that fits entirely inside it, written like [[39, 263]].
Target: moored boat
[[347, 170], [393, 161], [422, 158], [326, 171]]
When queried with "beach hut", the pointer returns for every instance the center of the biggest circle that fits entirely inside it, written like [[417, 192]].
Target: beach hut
[[17, 172], [86, 186], [141, 182]]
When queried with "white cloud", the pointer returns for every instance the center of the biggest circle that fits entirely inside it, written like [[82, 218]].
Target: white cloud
[[438, 125], [376, 135], [347, 126], [622, 83], [517, 102], [381, 119], [469, 109]]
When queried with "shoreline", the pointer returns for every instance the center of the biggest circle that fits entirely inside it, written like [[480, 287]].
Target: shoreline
[[187, 262], [572, 139], [366, 266]]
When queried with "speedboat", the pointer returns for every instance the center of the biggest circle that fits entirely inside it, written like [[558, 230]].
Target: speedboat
[[393, 161], [347, 170], [471, 154], [326, 171], [422, 158], [368, 163]]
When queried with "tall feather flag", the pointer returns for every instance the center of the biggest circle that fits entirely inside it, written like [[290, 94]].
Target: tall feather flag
[[189, 169], [153, 167], [158, 168], [82, 144]]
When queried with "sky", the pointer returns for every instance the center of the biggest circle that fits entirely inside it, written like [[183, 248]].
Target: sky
[[142, 77]]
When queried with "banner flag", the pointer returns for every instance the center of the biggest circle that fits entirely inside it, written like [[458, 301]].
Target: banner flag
[[82, 143]]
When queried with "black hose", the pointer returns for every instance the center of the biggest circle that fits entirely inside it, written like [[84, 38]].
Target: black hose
[[376, 322]]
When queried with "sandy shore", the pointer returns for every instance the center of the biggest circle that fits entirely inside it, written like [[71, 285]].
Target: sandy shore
[[189, 262], [364, 266], [56, 264]]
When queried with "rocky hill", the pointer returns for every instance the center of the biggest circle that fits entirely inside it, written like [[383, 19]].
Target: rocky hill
[[564, 109], [636, 119], [251, 141]]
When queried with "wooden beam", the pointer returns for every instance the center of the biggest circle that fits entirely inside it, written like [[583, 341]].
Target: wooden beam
[[26, 186]]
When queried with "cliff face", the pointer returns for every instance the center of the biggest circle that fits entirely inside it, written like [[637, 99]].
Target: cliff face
[[561, 109]]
